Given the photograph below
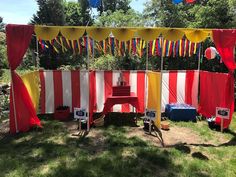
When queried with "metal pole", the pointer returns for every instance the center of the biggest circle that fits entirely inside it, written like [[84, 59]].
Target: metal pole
[[199, 62], [146, 82], [37, 52], [88, 120], [14, 104], [161, 54], [161, 79], [147, 56], [199, 58]]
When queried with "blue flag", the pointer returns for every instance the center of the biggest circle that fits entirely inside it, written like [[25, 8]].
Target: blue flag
[[177, 1], [94, 3]]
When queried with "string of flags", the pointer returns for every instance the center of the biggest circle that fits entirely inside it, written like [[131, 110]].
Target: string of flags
[[136, 47]]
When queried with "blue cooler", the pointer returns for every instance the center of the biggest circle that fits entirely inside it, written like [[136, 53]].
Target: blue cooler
[[180, 112]]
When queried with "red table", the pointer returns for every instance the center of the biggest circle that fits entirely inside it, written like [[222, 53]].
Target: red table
[[113, 100]]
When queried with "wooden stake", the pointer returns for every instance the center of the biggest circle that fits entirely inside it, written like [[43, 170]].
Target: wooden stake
[[79, 125], [222, 125], [150, 126]]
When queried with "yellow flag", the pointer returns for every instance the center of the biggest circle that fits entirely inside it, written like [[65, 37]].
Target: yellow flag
[[153, 47], [195, 48], [154, 94]]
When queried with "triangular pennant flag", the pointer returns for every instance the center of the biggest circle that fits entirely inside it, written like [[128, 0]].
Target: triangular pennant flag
[[134, 49], [143, 47], [195, 48], [41, 44], [150, 48], [80, 47], [91, 42], [112, 44], [153, 47], [157, 47], [164, 48], [173, 48], [52, 44]]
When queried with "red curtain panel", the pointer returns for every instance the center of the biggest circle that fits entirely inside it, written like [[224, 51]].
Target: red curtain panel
[[216, 90], [225, 42], [22, 113]]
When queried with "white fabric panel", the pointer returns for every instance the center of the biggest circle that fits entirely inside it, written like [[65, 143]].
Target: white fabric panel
[[115, 76], [49, 92], [165, 90], [66, 89], [100, 90], [84, 89], [133, 85], [195, 89], [181, 80]]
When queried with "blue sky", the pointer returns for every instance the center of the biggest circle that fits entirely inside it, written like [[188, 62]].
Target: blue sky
[[21, 11]]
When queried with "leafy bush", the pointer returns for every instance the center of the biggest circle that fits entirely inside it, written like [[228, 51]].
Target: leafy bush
[[4, 102], [3, 51], [109, 62]]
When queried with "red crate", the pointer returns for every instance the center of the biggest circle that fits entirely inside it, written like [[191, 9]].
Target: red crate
[[121, 90], [62, 114]]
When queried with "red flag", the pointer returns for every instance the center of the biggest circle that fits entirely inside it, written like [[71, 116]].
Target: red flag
[[190, 1]]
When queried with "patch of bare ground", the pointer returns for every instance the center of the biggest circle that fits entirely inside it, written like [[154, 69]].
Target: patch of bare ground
[[176, 135]]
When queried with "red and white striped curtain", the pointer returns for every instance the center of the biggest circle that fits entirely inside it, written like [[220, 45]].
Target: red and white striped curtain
[[104, 80], [70, 88], [180, 87]]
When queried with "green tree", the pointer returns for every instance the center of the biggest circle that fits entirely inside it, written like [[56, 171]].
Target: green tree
[[120, 18], [3, 51], [51, 12], [77, 14], [2, 25], [202, 14], [114, 5], [213, 14], [165, 13]]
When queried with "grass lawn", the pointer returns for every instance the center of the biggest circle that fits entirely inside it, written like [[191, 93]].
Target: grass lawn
[[108, 151]]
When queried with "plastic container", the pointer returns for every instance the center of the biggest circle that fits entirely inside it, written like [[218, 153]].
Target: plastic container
[[165, 125]]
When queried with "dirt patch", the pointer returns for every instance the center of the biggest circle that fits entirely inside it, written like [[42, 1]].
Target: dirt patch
[[176, 135]]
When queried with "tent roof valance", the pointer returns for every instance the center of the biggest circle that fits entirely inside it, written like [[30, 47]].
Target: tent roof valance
[[122, 34]]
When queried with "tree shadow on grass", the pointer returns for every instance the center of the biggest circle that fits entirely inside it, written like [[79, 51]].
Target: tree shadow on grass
[[200, 156], [121, 156], [120, 119], [114, 155]]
